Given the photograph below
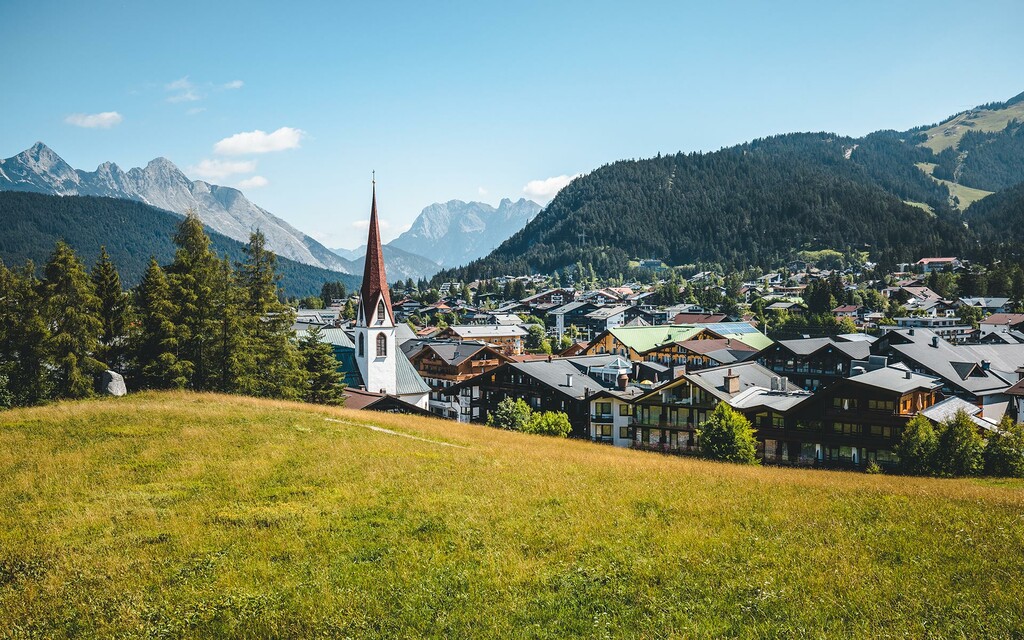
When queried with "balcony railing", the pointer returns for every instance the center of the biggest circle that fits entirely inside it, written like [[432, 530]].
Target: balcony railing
[[601, 417]]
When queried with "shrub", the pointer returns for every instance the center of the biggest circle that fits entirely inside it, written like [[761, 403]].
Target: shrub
[[550, 423], [1004, 451], [512, 414], [728, 436], [917, 445], [961, 448]]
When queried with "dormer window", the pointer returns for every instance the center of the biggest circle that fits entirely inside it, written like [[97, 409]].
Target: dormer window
[[380, 312]]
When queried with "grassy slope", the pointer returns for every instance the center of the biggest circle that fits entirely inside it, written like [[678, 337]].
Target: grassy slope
[[982, 120], [966, 195], [177, 514]]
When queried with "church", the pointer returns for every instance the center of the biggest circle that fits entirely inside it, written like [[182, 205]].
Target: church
[[382, 370]]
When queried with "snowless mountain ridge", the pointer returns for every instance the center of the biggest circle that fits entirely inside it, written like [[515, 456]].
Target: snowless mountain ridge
[[161, 184]]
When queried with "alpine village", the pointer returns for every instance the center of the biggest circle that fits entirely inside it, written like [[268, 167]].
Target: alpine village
[[773, 390]]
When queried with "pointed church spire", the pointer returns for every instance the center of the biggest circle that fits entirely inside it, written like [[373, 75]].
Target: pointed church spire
[[375, 284]]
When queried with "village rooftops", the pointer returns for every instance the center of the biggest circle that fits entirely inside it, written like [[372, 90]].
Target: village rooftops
[[806, 346], [948, 408], [897, 378], [644, 339], [979, 369], [1004, 319]]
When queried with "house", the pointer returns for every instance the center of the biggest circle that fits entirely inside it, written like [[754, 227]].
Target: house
[[851, 311], [948, 328], [859, 419], [549, 384], [713, 352], [980, 373], [604, 318], [699, 318], [927, 265], [998, 322], [611, 415], [792, 308], [556, 297], [572, 314], [813, 363], [661, 343], [509, 339], [667, 417], [988, 306], [444, 364]]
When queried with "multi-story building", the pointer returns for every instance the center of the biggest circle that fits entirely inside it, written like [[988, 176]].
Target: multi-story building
[[445, 364], [813, 363]]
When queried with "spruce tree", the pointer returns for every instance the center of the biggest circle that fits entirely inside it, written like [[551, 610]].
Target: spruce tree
[[23, 334], [227, 353], [155, 357], [322, 379], [72, 311], [272, 363], [193, 279], [113, 311]]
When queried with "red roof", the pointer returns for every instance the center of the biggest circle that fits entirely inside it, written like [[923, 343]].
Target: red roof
[[846, 308], [375, 283], [1004, 318]]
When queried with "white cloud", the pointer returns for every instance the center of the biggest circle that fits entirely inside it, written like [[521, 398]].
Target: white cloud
[[234, 84], [544, 190], [103, 120], [254, 182], [259, 142], [183, 90], [220, 169]]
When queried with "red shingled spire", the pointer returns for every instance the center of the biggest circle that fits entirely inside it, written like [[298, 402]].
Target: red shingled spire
[[375, 283]]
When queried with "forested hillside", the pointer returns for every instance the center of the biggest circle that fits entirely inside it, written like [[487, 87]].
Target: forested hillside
[[131, 232], [999, 219], [749, 205]]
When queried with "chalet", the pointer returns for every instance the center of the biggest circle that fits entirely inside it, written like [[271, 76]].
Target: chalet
[[667, 418], [927, 265], [947, 328], [661, 343], [444, 364], [859, 419], [551, 384], [604, 318], [988, 306], [980, 374], [792, 308], [851, 311], [998, 322], [611, 415], [556, 297], [508, 339], [714, 352], [813, 363], [572, 314], [406, 307]]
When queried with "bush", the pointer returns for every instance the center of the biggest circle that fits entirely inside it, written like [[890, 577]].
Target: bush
[[1004, 451], [549, 423], [961, 448], [728, 436], [512, 414], [916, 448], [872, 468]]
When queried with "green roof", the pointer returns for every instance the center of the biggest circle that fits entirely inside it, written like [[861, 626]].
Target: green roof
[[642, 339]]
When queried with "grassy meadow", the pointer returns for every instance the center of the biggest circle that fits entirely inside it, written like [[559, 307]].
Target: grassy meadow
[[182, 515]]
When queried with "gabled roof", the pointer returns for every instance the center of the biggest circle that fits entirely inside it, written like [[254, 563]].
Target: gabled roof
[[898, 379], [962, 365], [453, 353], [603, 313], [948, 408], [806, 346], [1004, 319], [644, 339], [485, 331]]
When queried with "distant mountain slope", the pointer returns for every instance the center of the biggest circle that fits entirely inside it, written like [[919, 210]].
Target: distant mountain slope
[[750, 205], [455, 232], [399, 264], [130, 230], [161, 184], [999, 218]]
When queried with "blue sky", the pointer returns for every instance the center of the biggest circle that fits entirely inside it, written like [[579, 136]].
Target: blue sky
[[473, 100]]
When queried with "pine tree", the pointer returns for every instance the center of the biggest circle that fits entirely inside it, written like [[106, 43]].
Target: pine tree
[[193, 279], [113, 311], [229, 353], [322, 379], [23, 335], [72, 311], [155, 346], [272, 363]]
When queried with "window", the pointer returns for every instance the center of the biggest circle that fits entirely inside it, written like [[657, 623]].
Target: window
[[878, 430], [362, 348], [882, 405], [624, 433], [382, 345], [602, 408], [603, 430], [846, 428], [380, 313], [625, 409]]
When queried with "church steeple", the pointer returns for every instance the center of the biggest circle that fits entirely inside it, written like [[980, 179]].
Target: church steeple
[[375, 285]]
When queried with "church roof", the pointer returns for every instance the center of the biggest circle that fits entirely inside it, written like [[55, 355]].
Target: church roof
[[375, 284]]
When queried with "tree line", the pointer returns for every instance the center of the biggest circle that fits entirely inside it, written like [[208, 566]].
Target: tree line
[[200, 323]]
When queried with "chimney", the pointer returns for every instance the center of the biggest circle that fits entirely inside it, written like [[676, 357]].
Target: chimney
[[910, 332], [623, 381], [935, 341], [985, 365], [784, 384], [907, 374], [732, 383], [568, 379]]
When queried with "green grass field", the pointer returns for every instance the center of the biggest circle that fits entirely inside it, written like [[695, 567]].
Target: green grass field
[[180, 515]]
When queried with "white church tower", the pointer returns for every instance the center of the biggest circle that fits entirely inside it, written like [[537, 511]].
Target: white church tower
[[375, 335]]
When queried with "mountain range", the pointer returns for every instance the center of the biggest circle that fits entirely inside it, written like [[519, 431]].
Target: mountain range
[[894, 195], [452, 233]]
